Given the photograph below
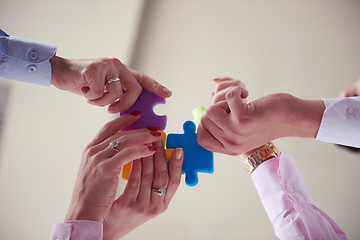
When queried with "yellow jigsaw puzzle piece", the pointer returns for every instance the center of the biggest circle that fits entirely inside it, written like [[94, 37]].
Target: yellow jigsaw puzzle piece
[[168, 152]]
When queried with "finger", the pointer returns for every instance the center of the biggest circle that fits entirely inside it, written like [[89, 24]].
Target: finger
[[220, 95], [124, 140], [151, 85], [115, 126], [216, 131], [147, 176], [208, 141], [219, 114], [175, 169], [161, 174], [114, 92], [126, 155], [220, 85], [131, 87], [94, 75], [133, 185], [236, 103], [220, 79]]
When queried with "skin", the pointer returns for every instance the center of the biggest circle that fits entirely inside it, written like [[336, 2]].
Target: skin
[[95, 188], [88, 78], [233, 126], [351, 91]]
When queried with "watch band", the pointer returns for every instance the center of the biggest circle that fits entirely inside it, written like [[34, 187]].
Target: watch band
[[259, 156]]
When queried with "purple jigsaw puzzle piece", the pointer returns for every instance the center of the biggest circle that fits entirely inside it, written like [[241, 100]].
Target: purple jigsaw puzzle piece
[[196, 158], [145, 104]]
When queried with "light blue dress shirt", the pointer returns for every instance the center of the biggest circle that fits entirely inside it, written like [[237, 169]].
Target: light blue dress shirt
[[25, 60]]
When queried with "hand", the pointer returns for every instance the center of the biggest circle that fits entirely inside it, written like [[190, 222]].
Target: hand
[[95, 188], [351, 91], [139, 203], [233, 127], [89, 78]]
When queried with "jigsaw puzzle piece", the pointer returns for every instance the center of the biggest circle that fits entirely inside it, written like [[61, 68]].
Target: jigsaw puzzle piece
[[196, 158], [197, 113], [145, 104], [168, 152], [125, 173]]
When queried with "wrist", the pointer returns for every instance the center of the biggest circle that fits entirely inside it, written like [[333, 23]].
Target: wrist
[[257, 156], [304, 116], [59, 68]]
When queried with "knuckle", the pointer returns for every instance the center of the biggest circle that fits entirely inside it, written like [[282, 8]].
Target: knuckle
[[123, 139], [148, 177], [174, 184], [91, 151], [92, 67], [134, 184], [162, 176], [108, 126], [137, 89]]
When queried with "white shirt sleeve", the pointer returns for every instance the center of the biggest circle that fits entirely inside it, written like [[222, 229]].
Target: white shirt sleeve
[[288, 203], [77, 230], [340, 123]]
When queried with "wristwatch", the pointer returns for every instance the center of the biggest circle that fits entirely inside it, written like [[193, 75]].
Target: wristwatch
[[259, 156]]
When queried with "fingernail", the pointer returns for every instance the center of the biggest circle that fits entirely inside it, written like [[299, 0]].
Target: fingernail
[[152, 148], [153, 129], [179, 153], [166, 91], [136, 113], [156, 134]]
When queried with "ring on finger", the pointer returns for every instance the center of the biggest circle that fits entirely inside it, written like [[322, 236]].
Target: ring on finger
[[160, 191], [112, 80], [114, 144]]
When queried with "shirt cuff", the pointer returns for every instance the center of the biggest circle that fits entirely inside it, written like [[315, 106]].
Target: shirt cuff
[[79, 230], [340, 122], [25, 60]]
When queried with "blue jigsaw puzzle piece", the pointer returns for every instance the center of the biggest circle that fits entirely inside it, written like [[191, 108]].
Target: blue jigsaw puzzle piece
[[196, 158]]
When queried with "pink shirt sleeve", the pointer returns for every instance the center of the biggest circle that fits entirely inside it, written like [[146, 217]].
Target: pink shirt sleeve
[[77, 230], [288, 202]]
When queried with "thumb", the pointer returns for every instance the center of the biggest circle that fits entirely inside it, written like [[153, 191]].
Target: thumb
[[236, 101]]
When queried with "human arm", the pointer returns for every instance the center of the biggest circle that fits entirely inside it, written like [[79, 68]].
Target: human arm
[[233, 126], [36, 62], [93, 200], [288, 203]]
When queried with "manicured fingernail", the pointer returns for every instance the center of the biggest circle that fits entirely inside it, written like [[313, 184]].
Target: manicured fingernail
[[179, 153], [216, 79], [156, 134], [153, 129], [152, 148], [136, 113], [166, 91]]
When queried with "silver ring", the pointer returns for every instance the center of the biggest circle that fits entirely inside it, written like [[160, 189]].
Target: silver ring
[[112, 80], [114, 144], [160, 191]]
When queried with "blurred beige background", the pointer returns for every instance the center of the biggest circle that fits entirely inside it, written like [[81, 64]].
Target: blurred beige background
[[306, 48]]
